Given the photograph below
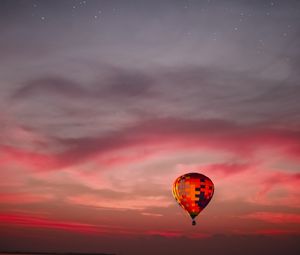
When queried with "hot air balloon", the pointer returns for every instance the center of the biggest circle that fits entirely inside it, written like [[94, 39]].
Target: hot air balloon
[[193, 191]]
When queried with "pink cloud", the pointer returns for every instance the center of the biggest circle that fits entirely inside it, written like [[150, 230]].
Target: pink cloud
[[281, 178], [285, 183], [38, 222], [274, 217], [32, 160], [172, 234], [165, 233], [170, 134], [30, 221], [126, 156], [268, 232], [152, 214], [242, 167], [131, 202], [276, 232], [228, 169], [23, 198]]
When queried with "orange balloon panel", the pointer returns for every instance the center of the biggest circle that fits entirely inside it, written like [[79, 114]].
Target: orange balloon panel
[[193, 191]]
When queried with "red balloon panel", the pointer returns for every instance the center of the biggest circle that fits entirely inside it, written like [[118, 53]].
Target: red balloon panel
[[193, 192]]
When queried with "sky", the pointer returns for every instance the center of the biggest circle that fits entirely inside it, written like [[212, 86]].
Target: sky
[[105, 103]]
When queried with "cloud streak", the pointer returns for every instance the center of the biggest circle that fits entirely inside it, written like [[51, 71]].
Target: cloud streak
[[277, 218], [181, 134]]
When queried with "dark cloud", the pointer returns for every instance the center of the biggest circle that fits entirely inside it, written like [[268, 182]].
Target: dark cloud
[[194, 91], [128, 83], [49, 86], [115, 84]]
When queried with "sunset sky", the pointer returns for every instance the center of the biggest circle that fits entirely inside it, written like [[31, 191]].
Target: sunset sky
[[105, 103]]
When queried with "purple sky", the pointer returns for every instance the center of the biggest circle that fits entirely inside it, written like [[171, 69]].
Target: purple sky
[[105, 103]]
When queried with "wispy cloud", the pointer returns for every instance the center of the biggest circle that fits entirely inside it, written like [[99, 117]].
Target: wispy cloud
[[177, 134]]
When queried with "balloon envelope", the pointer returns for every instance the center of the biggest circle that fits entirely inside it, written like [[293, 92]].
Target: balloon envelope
[[193, 191]]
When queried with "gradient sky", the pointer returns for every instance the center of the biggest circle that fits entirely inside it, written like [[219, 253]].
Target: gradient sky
[[105, 103]]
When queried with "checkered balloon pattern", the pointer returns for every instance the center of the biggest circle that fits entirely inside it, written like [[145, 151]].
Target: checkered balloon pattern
[[193, 191]]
